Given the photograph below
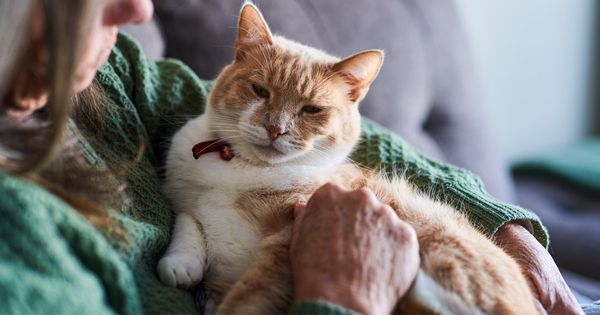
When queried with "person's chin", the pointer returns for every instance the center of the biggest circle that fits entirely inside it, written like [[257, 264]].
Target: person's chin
[[83, 81]]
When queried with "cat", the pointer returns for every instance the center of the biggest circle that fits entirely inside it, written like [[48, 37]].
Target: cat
[[284, 119]]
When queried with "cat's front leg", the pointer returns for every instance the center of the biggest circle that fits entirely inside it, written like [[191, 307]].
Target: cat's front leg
[[184, 261], [266, 287]]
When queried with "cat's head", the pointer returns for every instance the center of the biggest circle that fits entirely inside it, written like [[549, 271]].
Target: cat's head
[[280, 101]]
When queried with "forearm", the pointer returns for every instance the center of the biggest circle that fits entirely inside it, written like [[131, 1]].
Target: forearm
[[539, 268]]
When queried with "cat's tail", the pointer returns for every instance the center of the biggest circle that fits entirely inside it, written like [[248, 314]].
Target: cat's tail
[[426, 296]]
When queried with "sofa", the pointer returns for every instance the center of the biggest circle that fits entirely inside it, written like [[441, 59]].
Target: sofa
[[427, 91]]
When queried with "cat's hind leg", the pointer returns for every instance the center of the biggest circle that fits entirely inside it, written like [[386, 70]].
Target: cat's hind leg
[[184, 261], [265, 287]]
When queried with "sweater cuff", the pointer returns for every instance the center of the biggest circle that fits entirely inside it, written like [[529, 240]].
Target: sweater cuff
[[316, 307], [458, 187], [489, 214]]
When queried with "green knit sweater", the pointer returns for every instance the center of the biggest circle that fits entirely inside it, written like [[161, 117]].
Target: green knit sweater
[[54, 262]]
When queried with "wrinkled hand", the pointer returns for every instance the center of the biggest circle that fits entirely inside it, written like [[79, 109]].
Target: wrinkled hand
[[539, 268], [351, 250]]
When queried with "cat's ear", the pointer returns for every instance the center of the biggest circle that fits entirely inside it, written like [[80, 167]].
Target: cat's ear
[[359, 71], [252, 30]]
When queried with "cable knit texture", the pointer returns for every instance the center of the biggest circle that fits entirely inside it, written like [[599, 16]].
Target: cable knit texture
[[52, 261]]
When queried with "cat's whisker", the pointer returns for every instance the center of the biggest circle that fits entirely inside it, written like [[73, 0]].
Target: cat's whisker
[[223, 124], [321, 153], [221, 131], [224, 121], [231, 127], [228, 125], [228, 129]]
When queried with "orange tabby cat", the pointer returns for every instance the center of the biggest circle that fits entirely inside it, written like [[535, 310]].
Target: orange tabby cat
[[284, 118]]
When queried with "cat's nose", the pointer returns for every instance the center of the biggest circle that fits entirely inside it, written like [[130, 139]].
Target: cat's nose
[[275, 131]]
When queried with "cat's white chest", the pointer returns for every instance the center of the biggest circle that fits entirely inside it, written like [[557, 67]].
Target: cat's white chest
[[208, 188], [231, 241]]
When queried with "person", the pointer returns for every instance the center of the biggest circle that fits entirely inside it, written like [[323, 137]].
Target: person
[[84, 116]]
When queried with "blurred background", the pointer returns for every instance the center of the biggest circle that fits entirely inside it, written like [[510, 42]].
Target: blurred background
[[506, 89], [538, 64], [536, 60]]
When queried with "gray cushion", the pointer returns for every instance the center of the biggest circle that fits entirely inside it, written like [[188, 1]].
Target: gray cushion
[[572, 216], [149, 36], [426, 91]]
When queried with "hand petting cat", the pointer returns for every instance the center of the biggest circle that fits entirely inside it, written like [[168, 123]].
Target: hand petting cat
[[362, 255]]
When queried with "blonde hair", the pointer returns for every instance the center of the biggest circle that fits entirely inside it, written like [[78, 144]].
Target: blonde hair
[[66, 23], [39, 147]]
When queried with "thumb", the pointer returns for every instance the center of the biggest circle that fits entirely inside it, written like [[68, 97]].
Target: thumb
[[540, 307], [299, 208]]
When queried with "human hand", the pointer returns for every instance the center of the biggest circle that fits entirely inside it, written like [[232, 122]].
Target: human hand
[[351, 250], [539, 268]]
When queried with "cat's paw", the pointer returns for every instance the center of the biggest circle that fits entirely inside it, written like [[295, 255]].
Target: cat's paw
[[180, 271]]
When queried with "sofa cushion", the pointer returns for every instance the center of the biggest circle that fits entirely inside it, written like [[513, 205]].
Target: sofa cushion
[[149, 36]]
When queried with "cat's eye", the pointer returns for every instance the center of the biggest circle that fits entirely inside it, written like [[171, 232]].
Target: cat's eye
[[260, 91], [310, 109]]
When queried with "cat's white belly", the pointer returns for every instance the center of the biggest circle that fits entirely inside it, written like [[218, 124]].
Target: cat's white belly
[[231, 242], [207, 188]]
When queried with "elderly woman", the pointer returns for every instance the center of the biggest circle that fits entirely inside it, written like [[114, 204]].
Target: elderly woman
[[84, 118]]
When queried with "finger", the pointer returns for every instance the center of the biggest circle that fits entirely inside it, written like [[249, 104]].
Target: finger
[[540, 308], [299, 210], [390, 212], [328, 189], [323, 195], [364, 198]]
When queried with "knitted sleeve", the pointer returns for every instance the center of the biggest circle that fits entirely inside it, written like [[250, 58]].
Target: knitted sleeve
[[381, 149], [161, 95], [53, 262]]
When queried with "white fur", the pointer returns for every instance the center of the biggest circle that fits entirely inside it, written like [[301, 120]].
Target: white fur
[[205, 190]]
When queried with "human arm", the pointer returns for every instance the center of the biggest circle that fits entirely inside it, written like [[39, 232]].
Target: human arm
[[539, 268], [52, 261], [160, 95], [346, 248]]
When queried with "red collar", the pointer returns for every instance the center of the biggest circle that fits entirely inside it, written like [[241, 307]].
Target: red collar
[[212, 146]]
